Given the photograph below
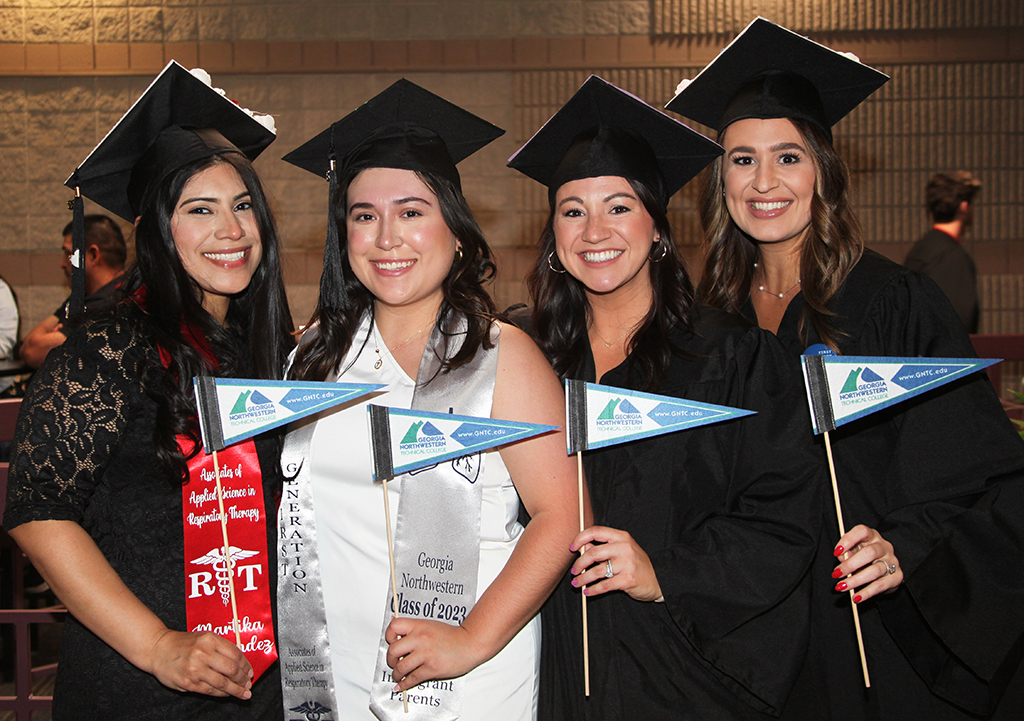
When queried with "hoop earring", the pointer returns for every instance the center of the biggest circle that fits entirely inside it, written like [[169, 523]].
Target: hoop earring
[[664, 252], [458, 254], [551, 265]]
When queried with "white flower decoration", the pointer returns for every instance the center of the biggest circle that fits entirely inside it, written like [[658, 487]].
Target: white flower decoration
[[851, 56], [267, 121], [202, 75], [682, 85]]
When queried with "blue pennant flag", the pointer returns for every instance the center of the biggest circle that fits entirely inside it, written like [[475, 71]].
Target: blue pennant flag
[[601, 416], [841, 389], [233, 409], [405, 440]]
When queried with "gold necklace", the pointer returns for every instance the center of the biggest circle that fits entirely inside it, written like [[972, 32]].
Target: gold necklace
[[390, 351], [772, 292], [608, 344]]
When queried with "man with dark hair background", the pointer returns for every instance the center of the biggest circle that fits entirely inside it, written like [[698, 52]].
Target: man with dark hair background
[[940, 255], [105, 256]]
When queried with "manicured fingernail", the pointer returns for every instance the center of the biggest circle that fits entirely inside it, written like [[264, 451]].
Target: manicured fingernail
[[575, 582], [838, 573], [841, 586], [839, 551], [572, 547], [857, 598], [586, 591], [397, 688]]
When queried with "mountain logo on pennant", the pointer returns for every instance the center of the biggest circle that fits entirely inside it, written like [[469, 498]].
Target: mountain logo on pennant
[[841, 389], [422, 437], [863, 385], [620, 415], [252, 407]]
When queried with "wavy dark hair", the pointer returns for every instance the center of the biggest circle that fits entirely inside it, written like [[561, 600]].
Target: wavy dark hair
[[463, 287], [831, 250], [562, 313], [259, 313]]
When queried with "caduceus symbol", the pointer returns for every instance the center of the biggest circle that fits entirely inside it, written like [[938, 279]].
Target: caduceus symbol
[[222, 569], [313, 710]]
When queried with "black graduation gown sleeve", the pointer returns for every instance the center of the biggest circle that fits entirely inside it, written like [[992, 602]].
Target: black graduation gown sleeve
[[728, 515], [941, 477]]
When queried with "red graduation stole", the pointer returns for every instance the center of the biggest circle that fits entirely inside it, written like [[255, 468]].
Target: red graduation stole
[[207, 600], [207, 573]]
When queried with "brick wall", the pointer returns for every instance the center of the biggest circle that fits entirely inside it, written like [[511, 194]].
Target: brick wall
[[69, 68]]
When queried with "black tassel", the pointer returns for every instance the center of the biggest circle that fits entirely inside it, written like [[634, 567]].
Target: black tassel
[[332, 287], [77, 303]]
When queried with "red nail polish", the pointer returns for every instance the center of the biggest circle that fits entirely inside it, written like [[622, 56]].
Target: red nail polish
[[839, 551], [841, 586], [857, 598], [838, 573]]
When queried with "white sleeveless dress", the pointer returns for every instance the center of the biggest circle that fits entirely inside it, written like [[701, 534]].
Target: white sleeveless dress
[[354, 553]]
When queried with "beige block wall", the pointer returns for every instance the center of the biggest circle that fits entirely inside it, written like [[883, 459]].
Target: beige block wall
[[69, 68]]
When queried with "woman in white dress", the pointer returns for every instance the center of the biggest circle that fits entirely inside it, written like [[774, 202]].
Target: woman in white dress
[[402, 303]]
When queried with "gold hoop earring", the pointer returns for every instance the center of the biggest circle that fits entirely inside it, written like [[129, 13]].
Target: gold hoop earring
[[458, 254], [664, 252], [551, 265]]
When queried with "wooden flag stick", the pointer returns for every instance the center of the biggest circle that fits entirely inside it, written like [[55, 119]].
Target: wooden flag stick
[[394, 576], [583, 594], [842, 532], [227, 553]]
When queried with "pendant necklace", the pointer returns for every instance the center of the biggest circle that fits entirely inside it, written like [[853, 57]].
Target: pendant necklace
[[389, 351], [608, 344], [771, 292]]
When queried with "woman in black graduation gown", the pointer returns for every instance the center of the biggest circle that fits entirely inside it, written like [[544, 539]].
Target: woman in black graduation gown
[[934, 484], [697, 565], [101, 465]]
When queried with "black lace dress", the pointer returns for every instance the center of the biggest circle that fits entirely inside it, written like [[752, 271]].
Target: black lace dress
[[83, 452]]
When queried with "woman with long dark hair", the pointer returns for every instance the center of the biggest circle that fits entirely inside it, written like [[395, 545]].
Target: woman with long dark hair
[[933, 485], [695, 570], [107, 468], [402, 303]]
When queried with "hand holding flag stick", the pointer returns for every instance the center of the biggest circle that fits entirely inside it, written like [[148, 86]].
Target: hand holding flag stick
[[843, 388], [599, 416]]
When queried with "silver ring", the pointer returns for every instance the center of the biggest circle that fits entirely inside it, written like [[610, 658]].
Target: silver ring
[[889, 568], [608, 569]]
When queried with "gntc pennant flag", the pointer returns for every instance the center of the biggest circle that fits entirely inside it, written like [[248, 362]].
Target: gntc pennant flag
[[232, 409], [843, 388], [405, 440], [601, 416]]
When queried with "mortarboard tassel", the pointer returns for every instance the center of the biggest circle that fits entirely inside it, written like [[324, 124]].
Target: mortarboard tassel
[[77, 303], [332, 290]]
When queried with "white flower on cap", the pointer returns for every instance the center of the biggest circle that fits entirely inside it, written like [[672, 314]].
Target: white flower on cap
[[682, 85], [267, 121], [202, 75], [851, 56]]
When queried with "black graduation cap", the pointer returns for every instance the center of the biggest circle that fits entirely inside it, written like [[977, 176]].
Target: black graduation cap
[[404, 127], [768, 71], [603, 130], [178, 119], [157, 136]]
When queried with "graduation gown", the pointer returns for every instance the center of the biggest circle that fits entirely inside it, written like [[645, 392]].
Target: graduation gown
[[728, 514], [941, 477]]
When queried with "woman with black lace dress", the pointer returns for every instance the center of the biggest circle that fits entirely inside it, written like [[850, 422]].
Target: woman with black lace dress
[[106, 451]]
